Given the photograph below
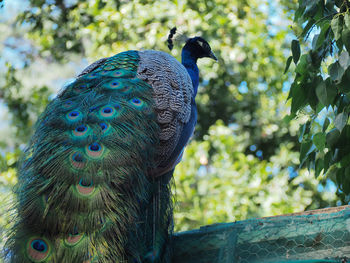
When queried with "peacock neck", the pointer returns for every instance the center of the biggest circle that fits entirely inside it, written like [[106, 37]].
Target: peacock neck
[[190, 63]]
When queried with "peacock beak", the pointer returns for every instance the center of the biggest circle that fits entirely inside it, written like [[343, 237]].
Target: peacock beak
[[211, 55]]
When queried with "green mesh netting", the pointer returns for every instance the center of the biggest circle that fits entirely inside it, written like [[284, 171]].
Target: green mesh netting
[[299, 238]]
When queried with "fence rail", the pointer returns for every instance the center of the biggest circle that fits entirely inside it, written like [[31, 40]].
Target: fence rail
[[313, 236]]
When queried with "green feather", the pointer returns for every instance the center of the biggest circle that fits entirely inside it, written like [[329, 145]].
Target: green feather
[[83, 190]]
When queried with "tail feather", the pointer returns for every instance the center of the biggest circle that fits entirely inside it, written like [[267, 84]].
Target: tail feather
[[83, 183]]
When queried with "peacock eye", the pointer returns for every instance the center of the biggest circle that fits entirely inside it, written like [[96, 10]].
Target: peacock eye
[[38, 249], [74, 114], [117, 73], [107, 110], [74, 231], [81, 128], [85, 183], [103, 126], [94, 147], [78, 157], [39, 245], [136, 101]]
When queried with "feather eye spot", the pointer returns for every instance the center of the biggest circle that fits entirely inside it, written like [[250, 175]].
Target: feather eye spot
[[73, 238], [74, 115], [84, 183], [103, 126], [81, 128], [117, 73], [107, 112], [38, 249], [78, 160], [80, 131], [114, 84], [104, 72], [108, 67], [137, 102], [85, 188], [74, 231], [94, 150], [95, 147], [39, 245], [78, 157]]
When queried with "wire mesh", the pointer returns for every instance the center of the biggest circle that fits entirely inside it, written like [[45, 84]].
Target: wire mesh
[[323, 237]]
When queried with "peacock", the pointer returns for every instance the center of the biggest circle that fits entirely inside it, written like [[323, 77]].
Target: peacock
[[93, 183]]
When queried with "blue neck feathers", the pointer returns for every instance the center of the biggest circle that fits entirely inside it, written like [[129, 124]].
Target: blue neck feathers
[[190, 63]]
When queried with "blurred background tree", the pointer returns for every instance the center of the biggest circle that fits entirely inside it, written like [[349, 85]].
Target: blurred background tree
[[243, 160]]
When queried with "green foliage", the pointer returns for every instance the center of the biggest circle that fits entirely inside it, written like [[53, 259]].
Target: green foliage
[[228, 185], [321, 87], [251, 156]]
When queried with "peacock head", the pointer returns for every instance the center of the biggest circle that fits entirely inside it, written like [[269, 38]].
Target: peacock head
[[199, 48]]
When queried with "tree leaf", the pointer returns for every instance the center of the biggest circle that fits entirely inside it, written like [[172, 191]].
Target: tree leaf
[[344, 59], [305, 149], [339, 176], [345, 161], [303, 64], [319, 165], [341, 120], [346, 38], [347, 20], [326, 92], [300, 11], [289, 60], [307, 27], [336, 26], [295, 50], [327, 161], [325, 124], [319, 139], [299, 98], [321, 37], [332, 137], [336, 71], [344, 86], [302, 129]]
